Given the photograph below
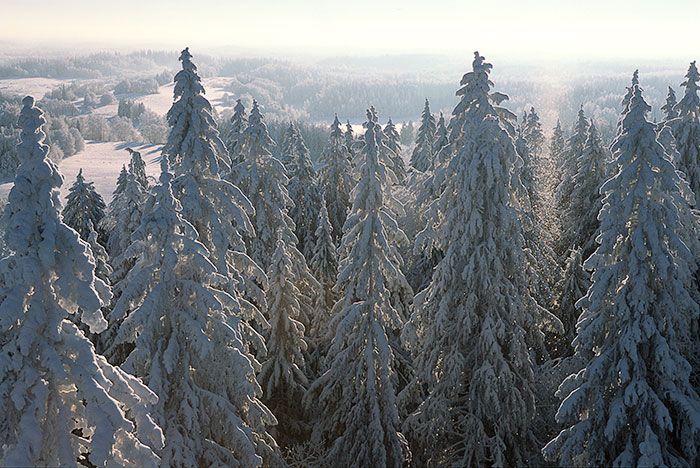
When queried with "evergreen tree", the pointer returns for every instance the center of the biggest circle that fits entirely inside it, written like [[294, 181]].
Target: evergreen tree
[[121, 182], [282, 374], [188, 347], [336, 178], [557, 145], [85, 208], [670, 112], [575, 284], [569, 168], [393, 158], [234, 139], [393, 141], [586, 200], [305, 192], [356, 396], [123, 216], [324, 266], [407, 133], [625, 104], [137, 166], [686, 129], [61, 403], [289, 146], [441, 136], [422, 156], [350, 139], [633, 405], [533, 133], [218, 209], [471, 351]]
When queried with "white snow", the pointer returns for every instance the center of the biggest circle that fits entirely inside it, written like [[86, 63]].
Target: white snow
[[101, 163]]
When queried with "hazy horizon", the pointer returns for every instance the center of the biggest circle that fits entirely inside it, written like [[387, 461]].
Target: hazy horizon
[[593, 30]]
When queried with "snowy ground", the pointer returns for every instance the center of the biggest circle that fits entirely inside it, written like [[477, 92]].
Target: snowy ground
[[101, 163], [36, 87], [160, 103]]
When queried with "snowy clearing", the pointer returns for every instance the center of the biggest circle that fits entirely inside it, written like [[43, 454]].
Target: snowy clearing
[[101, 163]]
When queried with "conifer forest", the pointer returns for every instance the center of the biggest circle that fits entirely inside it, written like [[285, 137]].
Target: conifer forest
[[253, 248]]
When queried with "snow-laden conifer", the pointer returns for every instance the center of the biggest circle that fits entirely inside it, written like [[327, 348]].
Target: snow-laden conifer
[[305, 193], [585, 203], [189, 344], [350, 139], [472, 321], [358, 417], [218, 209], [422, 156], [393, 141], [574, 286], [124, 215], [669, 110], [234, 138], [533, 133], [60, 402], [283, 372], [137, 166], [84, 208], [336, 178], [324, 266], [441, 136], [686, 129], [632, 404]]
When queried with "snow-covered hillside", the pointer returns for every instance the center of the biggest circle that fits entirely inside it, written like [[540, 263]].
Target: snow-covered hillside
[[101, 163]]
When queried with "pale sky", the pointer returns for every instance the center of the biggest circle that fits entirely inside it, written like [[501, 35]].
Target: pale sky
[[558, 28]]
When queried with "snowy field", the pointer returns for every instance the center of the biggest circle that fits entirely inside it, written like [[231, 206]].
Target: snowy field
[[101, 163], [36, 87]]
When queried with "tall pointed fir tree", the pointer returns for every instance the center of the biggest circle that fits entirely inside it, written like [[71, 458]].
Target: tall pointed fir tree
[[137, 166], [575, 284], [471, 351], [84, 206], [218, 209], [686, 129], [123, 215], [61, 403], [283, 372], [336, 178], [586, 200], [393, 141], [121, 182], [188, 347], [234, 138], [305, 193], [288, 147], [356, 397], [533, 133], [422, 156], [669, 108], [441, 137], [349, 139], [557, 145], [569, 168], [263, 179], [634, 325]]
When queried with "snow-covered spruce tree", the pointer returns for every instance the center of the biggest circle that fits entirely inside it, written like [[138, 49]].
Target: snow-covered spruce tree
[[324, 266], [575, 284], [686, 129], [305, 192], [557, 145], [422, 156], [625, 103], [392, 158], [586, 200], [84, 208], [569, 168], [289, 145], [336, 178], [393, 141], [633, 405], [533, 133], [471, 322], [263, 179], [61, 403], [121, 182], [349, 139], [124, 215], [234, 138], [669, 110], [441, 137], [542, 266], [188, 346], [283, 372], [217, 208], [137, 166], [356, 397]]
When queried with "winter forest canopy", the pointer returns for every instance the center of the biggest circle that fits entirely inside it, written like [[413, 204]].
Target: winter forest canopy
[[260, 262]]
